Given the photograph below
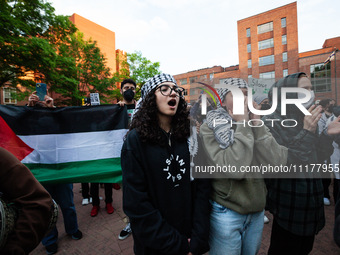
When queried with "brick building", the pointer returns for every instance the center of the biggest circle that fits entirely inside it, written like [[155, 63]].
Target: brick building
[[268, 49], [268, 43]]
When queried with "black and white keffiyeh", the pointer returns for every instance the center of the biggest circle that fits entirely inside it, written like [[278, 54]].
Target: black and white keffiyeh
[[237, 82], [219, 120], [155, 81], [152, 83]]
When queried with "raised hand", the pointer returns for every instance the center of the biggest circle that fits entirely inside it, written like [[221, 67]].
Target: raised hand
[[310, 122]]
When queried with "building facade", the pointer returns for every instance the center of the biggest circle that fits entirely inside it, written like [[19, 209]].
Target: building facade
[[268, 43], [268, 49], [105, 38]]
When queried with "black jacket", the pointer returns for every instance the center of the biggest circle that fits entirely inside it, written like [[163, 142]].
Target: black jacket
[[297, 203], [164, 205]]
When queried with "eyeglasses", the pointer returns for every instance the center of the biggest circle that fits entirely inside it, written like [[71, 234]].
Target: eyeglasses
[[166, 90]]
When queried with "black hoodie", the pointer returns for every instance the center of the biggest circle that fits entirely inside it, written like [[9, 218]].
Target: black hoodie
[[165, 207]]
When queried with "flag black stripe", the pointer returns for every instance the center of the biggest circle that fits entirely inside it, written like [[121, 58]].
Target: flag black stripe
[[24, 120]]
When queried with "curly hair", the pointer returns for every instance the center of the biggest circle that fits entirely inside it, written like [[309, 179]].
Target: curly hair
[[145, 121]]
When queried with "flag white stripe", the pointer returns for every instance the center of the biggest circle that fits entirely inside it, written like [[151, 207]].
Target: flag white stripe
[[63, 148]]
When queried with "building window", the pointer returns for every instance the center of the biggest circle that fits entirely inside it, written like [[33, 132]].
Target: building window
[[266, 44], [250, 76], [211, 76], [192, 79], [248, 32], [284, 39], [203, 77], [248, 48], [284, 57], [8, 96], [320, 75], [192, 92], [265, 28], [185, 93], [283, 22], [268, 75], [285, 72], [249, 63], [267, 60], [183, 81]]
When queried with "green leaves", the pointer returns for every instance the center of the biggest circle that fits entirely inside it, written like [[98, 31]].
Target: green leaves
[[35, 41]]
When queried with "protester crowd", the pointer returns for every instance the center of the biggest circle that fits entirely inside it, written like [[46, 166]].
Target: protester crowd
[[171, 212]]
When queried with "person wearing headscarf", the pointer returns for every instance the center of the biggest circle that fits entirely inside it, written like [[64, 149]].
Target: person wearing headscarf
[[168, 210], [238, 198], [297, 203]]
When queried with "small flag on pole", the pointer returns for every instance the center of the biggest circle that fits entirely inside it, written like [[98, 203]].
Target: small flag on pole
[[330, 58]]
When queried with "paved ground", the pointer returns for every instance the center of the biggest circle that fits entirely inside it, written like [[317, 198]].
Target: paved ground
[[100, 234]]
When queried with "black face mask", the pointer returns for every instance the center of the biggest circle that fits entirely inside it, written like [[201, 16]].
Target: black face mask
[[265, 106], [128, 95], [330, 108]]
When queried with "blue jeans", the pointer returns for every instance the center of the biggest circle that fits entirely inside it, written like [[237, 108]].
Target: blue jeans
[[232, 233], [63, 195]]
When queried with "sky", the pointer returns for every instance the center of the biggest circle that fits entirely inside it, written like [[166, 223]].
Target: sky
[[187, 35]]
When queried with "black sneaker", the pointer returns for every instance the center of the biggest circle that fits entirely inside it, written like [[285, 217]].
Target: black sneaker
[[125, 232], [77, 235], [52, 248]]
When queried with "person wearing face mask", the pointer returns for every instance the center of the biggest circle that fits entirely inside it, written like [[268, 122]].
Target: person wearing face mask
[[128, 90], [262, 100], [297, 203], [327, 107]]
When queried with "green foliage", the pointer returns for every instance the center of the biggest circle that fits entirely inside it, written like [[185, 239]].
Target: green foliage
[[35, 40], [139, 69]]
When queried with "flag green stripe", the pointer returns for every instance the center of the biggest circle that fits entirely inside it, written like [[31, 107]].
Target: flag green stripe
[[103, 171]]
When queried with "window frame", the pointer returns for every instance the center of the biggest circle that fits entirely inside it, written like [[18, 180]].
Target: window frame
[[263, 42], [263, 60], [7, 95], [261, 29]]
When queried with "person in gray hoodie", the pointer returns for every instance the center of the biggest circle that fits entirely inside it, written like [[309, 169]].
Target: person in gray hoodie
[[238, 198]]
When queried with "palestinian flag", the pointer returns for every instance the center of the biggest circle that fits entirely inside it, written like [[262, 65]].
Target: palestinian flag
[[68, 144]]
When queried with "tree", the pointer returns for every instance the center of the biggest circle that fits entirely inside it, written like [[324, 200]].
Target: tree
[[139, 69], [23, 47], [34, 40], [87, 72]]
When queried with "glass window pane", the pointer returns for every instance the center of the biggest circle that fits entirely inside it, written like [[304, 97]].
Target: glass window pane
[[9, 95], [193, 79], [284, 39], [183, 81], [268, 75], [267, 60], [265, 28], [285, 72], [249, 63], [284, 57], [248, 32], [266, 44], [321, 77], [248, 48], [283, 22]]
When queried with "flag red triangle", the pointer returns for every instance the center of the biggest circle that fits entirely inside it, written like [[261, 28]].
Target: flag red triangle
[[11, 142]]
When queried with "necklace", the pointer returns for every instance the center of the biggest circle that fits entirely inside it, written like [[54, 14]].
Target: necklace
[[168, 135]]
